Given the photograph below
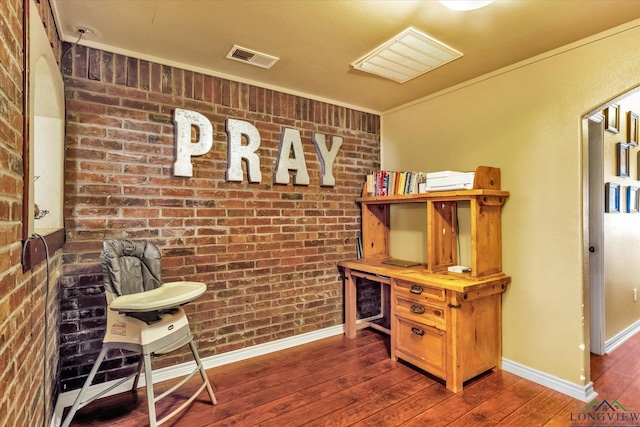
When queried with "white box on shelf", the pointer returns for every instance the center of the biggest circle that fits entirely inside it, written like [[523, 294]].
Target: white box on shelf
[[449, 180]]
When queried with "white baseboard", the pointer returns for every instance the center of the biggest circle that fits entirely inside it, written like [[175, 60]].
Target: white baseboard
[[620, 338], [66, 399], [585, 393]]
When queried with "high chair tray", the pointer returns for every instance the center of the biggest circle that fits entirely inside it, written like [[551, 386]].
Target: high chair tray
[[168, 295]]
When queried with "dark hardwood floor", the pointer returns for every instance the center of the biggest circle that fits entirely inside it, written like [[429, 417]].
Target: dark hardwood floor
[[342, 382]]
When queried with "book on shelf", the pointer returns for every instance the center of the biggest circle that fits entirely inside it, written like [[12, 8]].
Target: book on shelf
[[392, 183]]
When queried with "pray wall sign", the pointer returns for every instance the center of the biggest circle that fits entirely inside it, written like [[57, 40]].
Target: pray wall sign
[[290, 153]]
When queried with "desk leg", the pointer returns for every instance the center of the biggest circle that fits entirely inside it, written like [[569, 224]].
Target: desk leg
[[349, 304]]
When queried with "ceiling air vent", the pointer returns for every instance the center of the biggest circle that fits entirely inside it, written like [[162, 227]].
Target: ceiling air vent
[[248, 56], [406, 56]]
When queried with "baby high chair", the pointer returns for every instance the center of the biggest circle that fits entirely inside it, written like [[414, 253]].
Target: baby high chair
[[144, 316]]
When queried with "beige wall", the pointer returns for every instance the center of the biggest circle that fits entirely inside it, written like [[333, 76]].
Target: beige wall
[[621, 233], [526, 120]]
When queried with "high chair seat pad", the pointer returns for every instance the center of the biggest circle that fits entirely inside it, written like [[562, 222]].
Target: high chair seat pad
[[168, 295]]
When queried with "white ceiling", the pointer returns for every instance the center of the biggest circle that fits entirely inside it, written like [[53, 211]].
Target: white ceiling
[[317, 40]]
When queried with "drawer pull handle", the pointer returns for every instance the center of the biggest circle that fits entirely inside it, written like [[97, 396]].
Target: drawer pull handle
[[417, 309], [417, 331], [415, 289]]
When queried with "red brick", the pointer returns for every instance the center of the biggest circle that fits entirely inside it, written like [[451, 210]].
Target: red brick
[[80, 65], [140, 105], [132, 72], [120, 70], [107, 65], [241, 238], [94, 72], [143, 70], [198, 86], [96, 98]]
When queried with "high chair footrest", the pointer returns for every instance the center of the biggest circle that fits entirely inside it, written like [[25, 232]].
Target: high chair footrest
[[168, 295]]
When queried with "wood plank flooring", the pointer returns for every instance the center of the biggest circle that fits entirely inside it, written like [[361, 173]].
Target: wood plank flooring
[[342, 382]]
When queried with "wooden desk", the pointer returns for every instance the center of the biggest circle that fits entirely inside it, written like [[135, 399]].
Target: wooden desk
[[448, 324]]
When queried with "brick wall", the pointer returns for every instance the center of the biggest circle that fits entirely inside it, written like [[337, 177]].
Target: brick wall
[[266, 251], [22, 295]]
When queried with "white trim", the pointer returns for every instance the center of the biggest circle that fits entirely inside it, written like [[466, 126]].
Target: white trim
[[163, 374], [585, 393], [270, 347], [620, 338]]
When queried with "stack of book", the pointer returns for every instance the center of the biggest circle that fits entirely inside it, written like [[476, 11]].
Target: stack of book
[[391, 183]]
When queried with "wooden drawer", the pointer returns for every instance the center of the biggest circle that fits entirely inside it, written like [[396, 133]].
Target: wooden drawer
[[421, 293], [421, 345], [418, 311]]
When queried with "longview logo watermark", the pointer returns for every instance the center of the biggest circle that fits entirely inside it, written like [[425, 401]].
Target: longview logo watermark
[[605, 414]]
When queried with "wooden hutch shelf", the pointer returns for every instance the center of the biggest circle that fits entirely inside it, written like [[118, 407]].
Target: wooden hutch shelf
[[448, 324]]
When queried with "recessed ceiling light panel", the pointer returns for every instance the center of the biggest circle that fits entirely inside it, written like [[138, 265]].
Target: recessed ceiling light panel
[[252, 57], [465, 4], [406, 56]]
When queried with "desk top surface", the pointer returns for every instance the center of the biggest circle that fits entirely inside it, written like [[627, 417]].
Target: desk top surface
[[458, 282]]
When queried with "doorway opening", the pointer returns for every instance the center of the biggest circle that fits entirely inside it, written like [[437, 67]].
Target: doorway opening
[[612, 222]]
